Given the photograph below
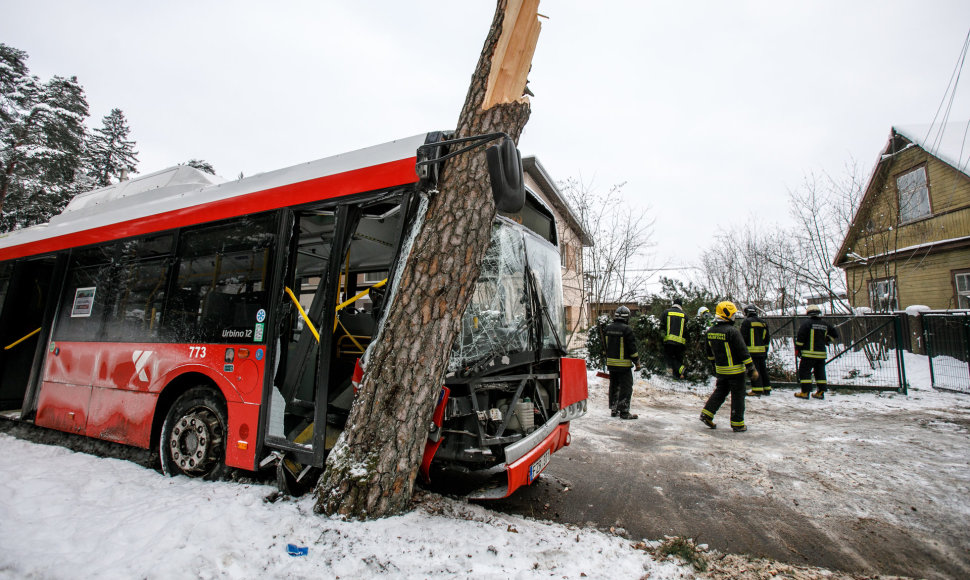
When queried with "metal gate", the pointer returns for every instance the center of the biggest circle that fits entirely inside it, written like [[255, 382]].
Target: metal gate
[[947, 339], [868, 354]]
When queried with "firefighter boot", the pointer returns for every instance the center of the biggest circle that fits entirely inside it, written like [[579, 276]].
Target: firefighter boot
[[739, 428], [819, 395], [708, 421], [801, 395], [628, 416]]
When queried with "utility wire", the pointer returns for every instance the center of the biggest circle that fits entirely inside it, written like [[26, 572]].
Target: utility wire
[[951, 92]]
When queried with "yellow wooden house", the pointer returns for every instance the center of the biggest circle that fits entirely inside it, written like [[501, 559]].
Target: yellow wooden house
[[909, 241]]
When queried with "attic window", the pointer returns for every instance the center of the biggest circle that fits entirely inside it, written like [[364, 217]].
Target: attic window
[[914, 195]]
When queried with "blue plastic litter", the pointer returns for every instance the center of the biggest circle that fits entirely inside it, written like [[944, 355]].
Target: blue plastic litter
[[294, 550]]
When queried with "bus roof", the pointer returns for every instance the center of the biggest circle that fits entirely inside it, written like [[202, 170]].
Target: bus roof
[[181, 196]]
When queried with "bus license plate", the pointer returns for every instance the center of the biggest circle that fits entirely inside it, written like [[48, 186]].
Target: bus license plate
[[539, 465]]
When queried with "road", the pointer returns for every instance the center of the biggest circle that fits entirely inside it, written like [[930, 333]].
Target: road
[[874, 485]]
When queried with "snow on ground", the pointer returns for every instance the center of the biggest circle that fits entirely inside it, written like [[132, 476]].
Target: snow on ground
[[70, 515]]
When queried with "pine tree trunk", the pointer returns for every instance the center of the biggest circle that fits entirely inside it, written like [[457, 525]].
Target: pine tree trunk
[[371, 471]]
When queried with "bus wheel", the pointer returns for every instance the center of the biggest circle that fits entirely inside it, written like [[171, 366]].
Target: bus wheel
[[193, 440]]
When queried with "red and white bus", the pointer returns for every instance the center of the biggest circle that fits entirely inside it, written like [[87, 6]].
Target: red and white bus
[[219, 322]]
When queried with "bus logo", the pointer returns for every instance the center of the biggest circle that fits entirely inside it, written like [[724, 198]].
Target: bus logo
[[140, 358], [260, 315]]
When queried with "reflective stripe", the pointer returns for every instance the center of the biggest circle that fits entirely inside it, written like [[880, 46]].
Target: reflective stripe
[[679, 336], [731, 370], [737, 423], [813, 354], [757, 349], [618, 362], [707, 413]]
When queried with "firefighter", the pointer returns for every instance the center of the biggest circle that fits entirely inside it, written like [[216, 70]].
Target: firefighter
[[674, 341], [704, 318], [754, 331], [621, 358], [810, 342], [729, 355]]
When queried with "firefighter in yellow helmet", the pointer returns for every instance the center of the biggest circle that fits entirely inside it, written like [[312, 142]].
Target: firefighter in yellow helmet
[[729, 355]]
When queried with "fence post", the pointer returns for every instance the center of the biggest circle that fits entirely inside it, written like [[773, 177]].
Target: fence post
[[928, 343], [966, 341], [900, 365]]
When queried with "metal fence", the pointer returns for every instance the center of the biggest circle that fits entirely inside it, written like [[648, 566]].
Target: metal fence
[[947, 341], [867, 355]]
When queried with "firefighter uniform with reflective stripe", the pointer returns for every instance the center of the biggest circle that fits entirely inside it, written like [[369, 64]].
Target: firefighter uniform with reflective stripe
[[675, 344], [621, 356], [810, 342], [726, 350], [754, 331]]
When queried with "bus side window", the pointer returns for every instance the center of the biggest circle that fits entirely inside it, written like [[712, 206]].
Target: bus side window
[[83, 308], [221, 281]]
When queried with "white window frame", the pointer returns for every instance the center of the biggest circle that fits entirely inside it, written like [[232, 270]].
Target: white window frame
[[962, 294], [914, 195], [374, 277], [879, 300]]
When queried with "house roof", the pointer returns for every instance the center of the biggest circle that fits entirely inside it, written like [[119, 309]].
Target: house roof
[[532, 166], [949, 142]]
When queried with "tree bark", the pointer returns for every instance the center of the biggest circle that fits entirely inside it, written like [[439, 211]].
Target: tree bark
[[370, 473]]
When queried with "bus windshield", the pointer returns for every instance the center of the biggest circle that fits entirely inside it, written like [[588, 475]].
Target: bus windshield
[[508, 313]]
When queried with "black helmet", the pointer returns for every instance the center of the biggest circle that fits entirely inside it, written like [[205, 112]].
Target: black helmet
[[676, 301], [622, 313], [750, 310]]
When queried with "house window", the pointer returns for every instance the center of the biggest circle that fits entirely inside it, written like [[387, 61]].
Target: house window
[[374, 277], [961, 281], [914, 195], [882, 295]]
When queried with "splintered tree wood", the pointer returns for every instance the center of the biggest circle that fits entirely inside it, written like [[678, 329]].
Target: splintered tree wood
[[513, 55], [371, 471]]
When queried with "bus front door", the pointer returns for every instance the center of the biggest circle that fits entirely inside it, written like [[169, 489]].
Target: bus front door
[[28, 306]]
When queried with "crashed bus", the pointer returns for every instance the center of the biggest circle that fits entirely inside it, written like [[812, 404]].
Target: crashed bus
[[223, 323]]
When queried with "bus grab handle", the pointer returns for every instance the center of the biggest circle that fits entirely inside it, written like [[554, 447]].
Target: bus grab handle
[[13, 344], [303, 313]]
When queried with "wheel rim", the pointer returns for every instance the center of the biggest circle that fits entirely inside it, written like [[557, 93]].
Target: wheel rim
[[196, 441]]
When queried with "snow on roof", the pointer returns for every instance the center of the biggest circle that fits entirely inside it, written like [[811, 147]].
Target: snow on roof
[[948, 141], [182, 187], [180, 175]]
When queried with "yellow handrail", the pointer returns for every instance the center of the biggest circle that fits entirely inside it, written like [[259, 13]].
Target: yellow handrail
[[302, 313], [13, 344], [359, 295]]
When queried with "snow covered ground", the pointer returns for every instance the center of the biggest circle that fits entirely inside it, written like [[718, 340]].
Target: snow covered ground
[[71, 515]]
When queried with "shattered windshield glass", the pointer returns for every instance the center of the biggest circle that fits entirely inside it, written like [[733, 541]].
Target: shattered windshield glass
[[498, 321], [544, 262]]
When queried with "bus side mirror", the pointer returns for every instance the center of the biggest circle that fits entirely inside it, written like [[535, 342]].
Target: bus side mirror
[[505, 173]]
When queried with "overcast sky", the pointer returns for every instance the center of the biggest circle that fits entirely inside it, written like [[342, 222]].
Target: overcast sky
[[708, 111]]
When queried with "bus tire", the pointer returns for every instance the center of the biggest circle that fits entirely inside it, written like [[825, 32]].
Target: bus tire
[[193, 437]]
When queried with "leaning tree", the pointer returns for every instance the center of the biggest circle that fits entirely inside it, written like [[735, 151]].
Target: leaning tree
[[371, 471]]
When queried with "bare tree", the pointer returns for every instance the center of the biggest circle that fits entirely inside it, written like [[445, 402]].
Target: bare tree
[[822, 209], [617, 267], [737, 267], [371, 470]]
